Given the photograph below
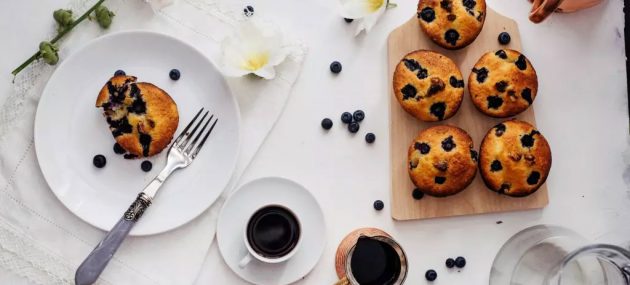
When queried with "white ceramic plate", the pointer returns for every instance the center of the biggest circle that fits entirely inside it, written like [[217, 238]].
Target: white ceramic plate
[[252, 196], [69, 131]]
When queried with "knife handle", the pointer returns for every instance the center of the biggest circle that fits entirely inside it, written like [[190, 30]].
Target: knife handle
[[97, 260]]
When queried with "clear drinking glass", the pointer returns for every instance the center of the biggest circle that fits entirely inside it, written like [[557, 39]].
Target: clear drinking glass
[[552, 255]]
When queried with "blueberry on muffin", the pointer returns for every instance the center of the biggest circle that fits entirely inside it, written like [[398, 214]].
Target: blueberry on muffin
[[503, 83], [442, 161], [141, 116], [452, 24], [428, 85], [515, 158]]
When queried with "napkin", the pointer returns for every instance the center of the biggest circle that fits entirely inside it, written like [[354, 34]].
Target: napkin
[[40, 240]]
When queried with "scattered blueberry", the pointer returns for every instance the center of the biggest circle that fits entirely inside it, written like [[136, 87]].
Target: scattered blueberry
[[431, 275], [358, 116], [99, 161], [248, 11], [533, 178], [501, 222], [119, 149], [346, 117], [335, 67], [348, 20], [427, 14], [504, 38], [417, 194], [353, 127], [450, 263], [451, 36], [327, 124], [146, 166], [460, 262], [119, 72], [174, 74], [379, 205], [370, 138]]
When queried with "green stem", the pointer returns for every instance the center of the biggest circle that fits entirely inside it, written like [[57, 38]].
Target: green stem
[[36, 55]]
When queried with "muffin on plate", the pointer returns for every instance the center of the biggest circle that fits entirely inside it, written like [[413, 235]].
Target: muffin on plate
[[428, 85], [452, 24], [442, 160], [514, 159], [141, 116], [503, 83]]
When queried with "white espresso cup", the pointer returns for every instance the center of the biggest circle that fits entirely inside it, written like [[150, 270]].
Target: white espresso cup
[[272, 235]]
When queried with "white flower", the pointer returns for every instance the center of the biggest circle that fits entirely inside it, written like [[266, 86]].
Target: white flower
[[367, 12], [255, 47]]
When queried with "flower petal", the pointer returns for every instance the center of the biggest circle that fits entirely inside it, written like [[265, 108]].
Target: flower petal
[[266, 72], [367, 22], [356, 9]]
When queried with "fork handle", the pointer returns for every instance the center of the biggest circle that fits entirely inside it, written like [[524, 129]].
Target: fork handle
[[97, 260]]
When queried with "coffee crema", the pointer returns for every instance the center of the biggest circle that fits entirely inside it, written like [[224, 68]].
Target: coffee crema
[[273, 231]]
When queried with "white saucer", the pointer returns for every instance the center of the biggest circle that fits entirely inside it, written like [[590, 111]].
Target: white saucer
[[249, 198]]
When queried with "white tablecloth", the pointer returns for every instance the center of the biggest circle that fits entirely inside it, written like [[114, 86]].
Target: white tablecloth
[[582, 110]]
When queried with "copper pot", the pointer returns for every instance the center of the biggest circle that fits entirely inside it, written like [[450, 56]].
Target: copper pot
[[541, 9]]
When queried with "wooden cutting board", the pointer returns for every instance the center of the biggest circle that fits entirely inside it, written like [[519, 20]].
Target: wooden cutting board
[[476, 199]]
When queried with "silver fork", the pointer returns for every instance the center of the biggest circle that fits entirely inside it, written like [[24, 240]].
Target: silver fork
[[180, 155]]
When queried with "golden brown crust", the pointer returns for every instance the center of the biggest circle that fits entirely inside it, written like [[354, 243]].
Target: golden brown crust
[[442, 160], [452, 24], [428, 85], [514, 159], [143, 119], [503, 83]]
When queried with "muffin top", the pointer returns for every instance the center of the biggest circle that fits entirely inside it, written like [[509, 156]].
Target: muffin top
[[503, 83], [442, 160], [428, 85], [514, 158], [141, 116], [452, 24]]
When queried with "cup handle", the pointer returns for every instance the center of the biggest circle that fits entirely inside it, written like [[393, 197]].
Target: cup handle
[[541, 9], [245, 260], [343, 281]]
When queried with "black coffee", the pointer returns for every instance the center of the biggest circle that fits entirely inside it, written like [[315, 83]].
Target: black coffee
[[375, 262], [273, 231]]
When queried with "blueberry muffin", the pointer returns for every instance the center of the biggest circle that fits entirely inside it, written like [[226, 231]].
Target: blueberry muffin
[[503, 83], [442, 161], [141, 116], [428, 85], [452, 24], [514, 159]]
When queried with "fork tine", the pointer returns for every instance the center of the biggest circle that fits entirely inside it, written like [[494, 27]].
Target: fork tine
[[194, 142], [194, 154], [181, 135], [192, 133]]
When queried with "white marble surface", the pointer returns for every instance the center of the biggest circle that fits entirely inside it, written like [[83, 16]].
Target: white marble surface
[[581, 109]]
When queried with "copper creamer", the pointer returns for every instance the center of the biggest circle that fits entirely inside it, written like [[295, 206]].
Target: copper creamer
[[541, 9]]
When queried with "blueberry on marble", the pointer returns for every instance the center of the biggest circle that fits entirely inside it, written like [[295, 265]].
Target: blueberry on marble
[[527, 95], [146, 166], [99, 161], [370, 138], [119, 72], [438, 109], [450, 263], [427, 14], [456, 83], [501, 85], [504, 38], [119, 149], [408, 92], [248, 11], [440, 179], [494, 102], [448, 144], [335, 67], [521, 63], [346, 117], [327, 123], [353, 127], [501, 54], [174, 74], [482, 74], [451, 36], [411, 64], [358, 116], [460, 262], [533, 178], [499, 129], [417, 194], [348, 20], [378, 205], [496, 166], [424, 148], [430, 275]]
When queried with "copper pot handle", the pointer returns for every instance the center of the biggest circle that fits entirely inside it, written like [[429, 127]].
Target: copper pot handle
[[541, 9]]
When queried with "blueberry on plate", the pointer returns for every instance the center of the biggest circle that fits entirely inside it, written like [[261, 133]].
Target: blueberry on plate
[[99, 161], [119, 149], [119, 72], [370, 138], [431, 275], [353, 127], [450, 263], [348, 20], [460, 262], [358, 116], [174, 74], [146, 166], [327, 124], [346, 117], [379, 205], [417, 194], [504, 38], [335, 67]]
